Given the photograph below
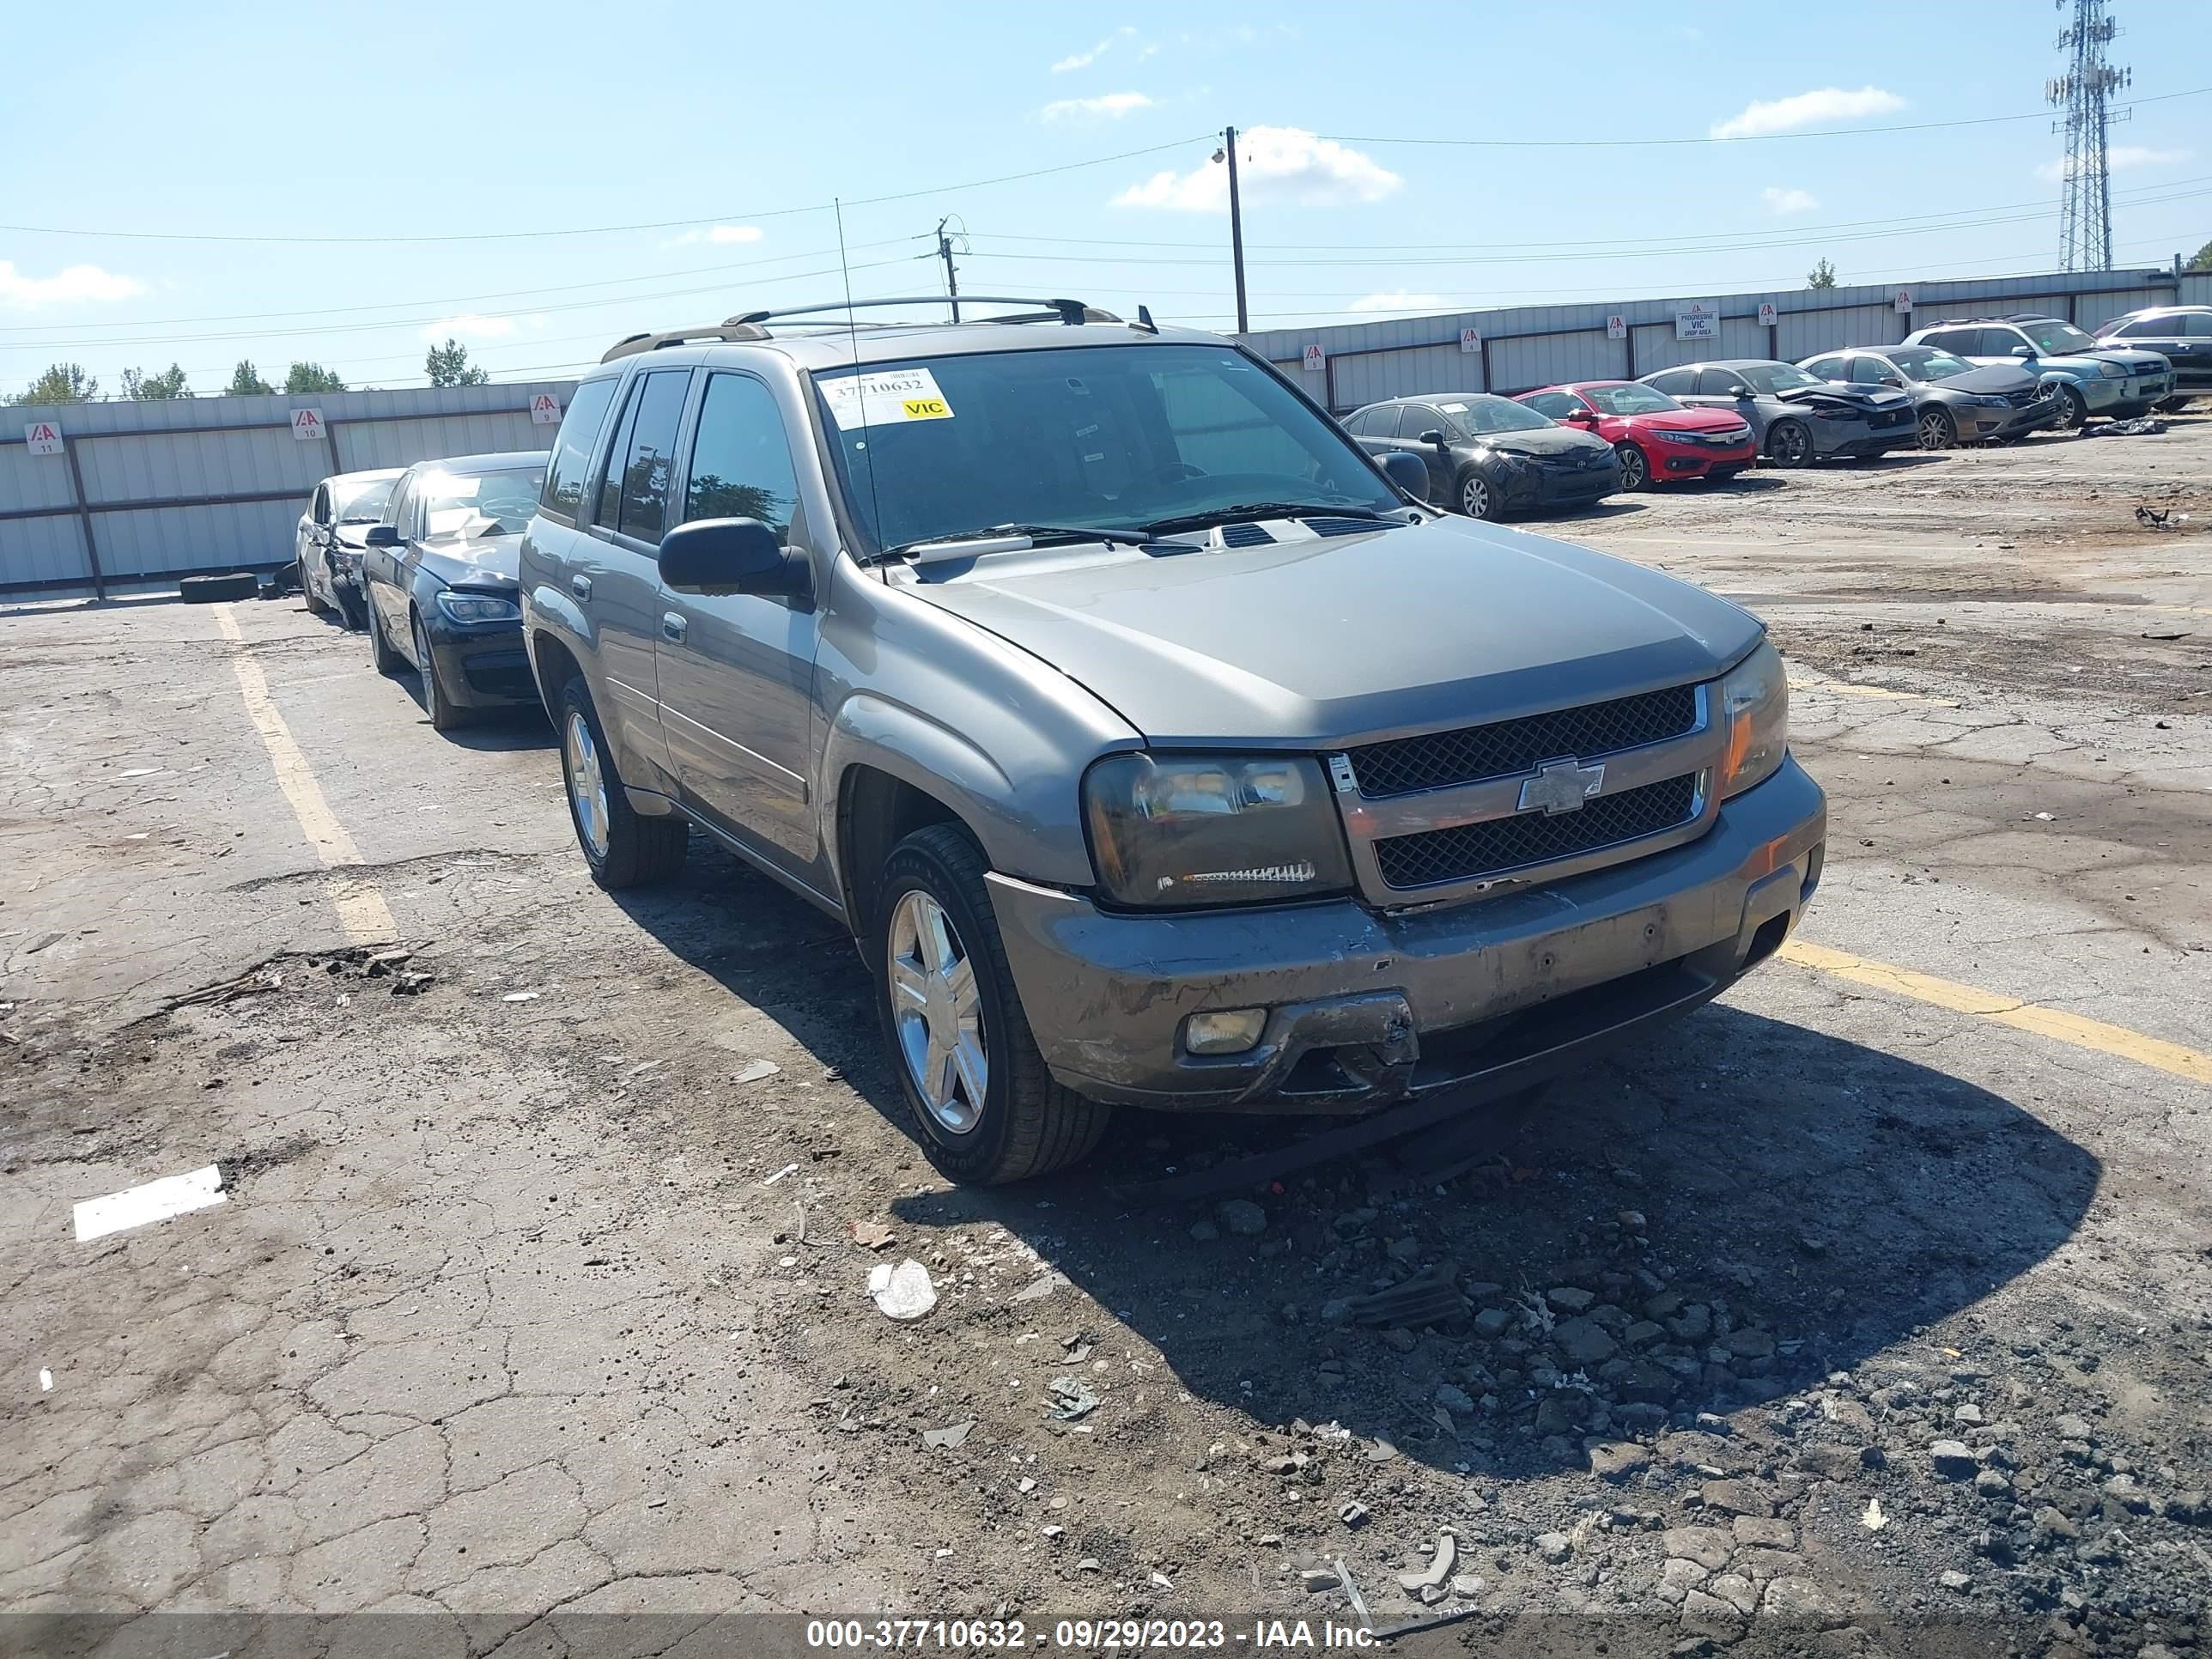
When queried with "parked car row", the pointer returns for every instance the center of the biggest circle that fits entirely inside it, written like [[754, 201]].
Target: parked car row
[[999, 644], [1982, 380]]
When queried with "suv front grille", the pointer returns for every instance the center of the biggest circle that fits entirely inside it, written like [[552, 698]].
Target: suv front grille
[[1405, 765], [1472, 851]]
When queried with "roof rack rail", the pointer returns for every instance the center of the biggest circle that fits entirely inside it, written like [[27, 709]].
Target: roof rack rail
[[1073, 312], [735, 329], [2030, 317]]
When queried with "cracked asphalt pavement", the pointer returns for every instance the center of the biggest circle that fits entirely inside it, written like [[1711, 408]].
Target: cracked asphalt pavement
[[1871, 1307]]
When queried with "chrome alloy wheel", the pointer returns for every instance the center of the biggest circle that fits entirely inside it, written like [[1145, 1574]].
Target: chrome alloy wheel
[[938, 1012], [587, 784]]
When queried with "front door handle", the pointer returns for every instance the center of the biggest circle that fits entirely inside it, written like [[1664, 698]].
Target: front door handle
[[580, 586], [673, 625]]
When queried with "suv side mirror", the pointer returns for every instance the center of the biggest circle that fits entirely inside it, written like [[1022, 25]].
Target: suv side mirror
[[1408, 472], [1433, 438], [729, 556], [382, 535], [2023, 351]]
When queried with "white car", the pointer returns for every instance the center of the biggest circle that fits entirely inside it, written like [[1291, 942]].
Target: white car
[[327, 546]]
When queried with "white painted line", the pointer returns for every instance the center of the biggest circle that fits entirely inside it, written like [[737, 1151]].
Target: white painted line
[[45, 1381], [362, 913], [157, 1201]]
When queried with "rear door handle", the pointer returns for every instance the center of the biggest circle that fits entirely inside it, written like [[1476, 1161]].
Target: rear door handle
[[580, 586], [673, 625]]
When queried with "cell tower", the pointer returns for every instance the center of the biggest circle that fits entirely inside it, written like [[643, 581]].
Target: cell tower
[[2083, 92]]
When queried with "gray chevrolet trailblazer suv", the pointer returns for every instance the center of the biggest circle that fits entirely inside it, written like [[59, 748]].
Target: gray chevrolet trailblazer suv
[[1156, 744]]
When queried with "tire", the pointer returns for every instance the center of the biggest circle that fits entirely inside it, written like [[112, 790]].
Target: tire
[[388, 662], [445, 713], [2073, 409], [218, 590], [315, 605], [1026, 1124], [621, 847], [1635, 471], [1788, 443], [1936, 429], [1474, 496]]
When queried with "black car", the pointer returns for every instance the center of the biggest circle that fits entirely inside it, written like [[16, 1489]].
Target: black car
[[1953, 401], [439, 571], [2180, 334], [1489, 456]]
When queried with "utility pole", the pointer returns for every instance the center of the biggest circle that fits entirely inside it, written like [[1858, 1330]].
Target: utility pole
[[2083, 92], [951, 277], [1237, 231]]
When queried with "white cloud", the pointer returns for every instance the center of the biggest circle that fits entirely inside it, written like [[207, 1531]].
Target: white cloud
[[1397, 300], [1112, 105], [1278, 164], [2118, 157], [1076, 60], [73, 285], [469, 326], [1807, 109], [1791, 200], [717, 236]]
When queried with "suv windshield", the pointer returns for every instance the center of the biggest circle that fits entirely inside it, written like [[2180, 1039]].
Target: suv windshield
[[2057, 337], [1771, 378], [1480, 415], [480, 503], [1085, 437], [1927, 363], [1629, 399], [363, 503]]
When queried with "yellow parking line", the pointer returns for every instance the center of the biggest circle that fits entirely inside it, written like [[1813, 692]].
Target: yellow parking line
[[2091, 1034], [1846, 689], [363, 916]]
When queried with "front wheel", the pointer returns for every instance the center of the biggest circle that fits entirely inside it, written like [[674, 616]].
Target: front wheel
[[1635, 471], [1936, 428], [1476, 498], [985, 1106], [315, 605], [2073, 409], [388, 662], [621, 847], [1788, 443], [445, 713]]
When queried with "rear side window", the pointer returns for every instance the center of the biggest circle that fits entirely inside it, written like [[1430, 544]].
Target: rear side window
[[1828, 368], [741, 457], [2198, 325], [1957, 340], [1674, 381], [648, 455], [1998, 342], [1357, 422], [1415, 419], [572, 450], [1712, 382], [1869, 371], [1557, 405]]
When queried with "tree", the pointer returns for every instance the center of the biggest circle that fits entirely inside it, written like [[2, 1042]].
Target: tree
[[63, 383], [139, 387], [245, 381], [448, 365], [2202, 261], [311, 377], [1821, 275]]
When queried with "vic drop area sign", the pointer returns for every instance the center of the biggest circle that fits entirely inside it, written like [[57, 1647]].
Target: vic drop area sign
[[43, 438]]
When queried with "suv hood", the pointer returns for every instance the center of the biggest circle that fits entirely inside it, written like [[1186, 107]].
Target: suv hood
[[1314, 642], [2137, 360]]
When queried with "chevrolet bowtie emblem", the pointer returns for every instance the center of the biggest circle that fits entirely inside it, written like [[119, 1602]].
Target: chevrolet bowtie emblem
[[1561, 786]]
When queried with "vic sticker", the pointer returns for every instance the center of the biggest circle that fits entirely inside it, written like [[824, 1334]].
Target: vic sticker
[[885, 398]]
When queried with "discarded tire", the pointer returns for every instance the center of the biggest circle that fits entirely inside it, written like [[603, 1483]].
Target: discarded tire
[[213, 590]]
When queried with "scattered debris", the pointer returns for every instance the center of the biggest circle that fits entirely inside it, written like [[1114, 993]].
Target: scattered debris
[[45, 1381], [1353, 1514], [754, 1070], [869, 1235], [901, 1293], [1074, 1399], [2147, 426], [950, 1436], [1874, 1519], [1429, 1297], [1314, 1580], [1351, 1590], [519, 996], [789, 1168], [411, 983], [1439, 1570], [1037, 1289], [1241, 1216]]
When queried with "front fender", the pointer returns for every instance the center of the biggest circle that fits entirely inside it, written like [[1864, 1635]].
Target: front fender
[[1020, 831]]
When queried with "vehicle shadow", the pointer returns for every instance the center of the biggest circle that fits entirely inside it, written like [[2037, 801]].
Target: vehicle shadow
[[492, 730], [1734, 1208]]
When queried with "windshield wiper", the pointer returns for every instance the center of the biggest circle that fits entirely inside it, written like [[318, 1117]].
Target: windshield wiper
[[1247, 510], [1036, 534]]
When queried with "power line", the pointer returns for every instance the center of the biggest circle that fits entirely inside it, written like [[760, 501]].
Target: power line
[[608, 230], [1739, 138]]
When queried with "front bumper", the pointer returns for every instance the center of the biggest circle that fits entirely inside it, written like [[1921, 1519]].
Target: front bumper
[[2106, 395], [1548, 487], [1365, 1008], [483, 665], [1696, 460], [1979, 425]]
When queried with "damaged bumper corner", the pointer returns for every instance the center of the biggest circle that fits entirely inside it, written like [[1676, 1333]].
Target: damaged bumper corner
[[1367, 1008]]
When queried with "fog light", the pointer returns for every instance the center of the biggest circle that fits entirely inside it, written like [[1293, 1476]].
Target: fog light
[[1231, 1031]]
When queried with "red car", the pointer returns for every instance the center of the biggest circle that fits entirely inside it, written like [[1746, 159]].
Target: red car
[[1657, 438]]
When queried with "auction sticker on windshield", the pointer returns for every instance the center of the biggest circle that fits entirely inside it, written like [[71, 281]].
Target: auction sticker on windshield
[[885, 398]]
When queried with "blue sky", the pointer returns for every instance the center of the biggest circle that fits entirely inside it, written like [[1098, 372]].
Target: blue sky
[[419, 129]]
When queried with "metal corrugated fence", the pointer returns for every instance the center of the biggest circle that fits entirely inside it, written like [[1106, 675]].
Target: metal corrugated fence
[[138, 494], [1527, 346]]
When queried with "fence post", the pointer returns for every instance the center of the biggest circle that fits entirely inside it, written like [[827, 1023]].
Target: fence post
[[83, 515]]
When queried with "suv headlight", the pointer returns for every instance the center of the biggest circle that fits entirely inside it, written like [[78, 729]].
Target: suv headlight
[[477, 607], [1754, 705], [2112, 371], [1188, 829]]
